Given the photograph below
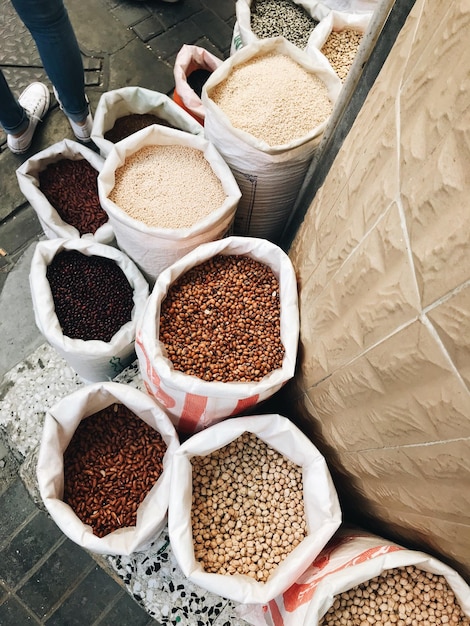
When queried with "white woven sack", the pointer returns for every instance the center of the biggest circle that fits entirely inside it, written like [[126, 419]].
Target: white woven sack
[[337, 21], [269, 178], [154, 249], [128, 100], [60, 424], [192, 403], [28, 181], [351, 558], [92, 360], [322, 509]]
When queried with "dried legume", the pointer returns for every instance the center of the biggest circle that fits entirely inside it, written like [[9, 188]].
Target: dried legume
[[220, 321], [247, 508], [273, 98], [112, 461], [340, 49], [406, 596], [197, 79], [92, 296], [167, 186], [129, 124], [72, 189], [274, 18]]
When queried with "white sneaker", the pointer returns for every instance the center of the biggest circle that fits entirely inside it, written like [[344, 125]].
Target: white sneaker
[[35, 101], [82, 132]]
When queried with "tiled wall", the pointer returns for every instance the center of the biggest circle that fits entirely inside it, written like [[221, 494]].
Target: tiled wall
[[383, 262]]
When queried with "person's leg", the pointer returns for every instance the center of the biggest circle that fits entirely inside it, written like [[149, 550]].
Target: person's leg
[[13, 117], [50, 27]]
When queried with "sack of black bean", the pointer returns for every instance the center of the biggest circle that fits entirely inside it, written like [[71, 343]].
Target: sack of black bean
[[87, 298], [61, 184], [360, 578], [252, 504], [104, 467], [122, 112], [220, 330]]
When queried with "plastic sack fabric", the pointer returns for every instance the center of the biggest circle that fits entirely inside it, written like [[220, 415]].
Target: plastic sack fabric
[[352, 557], [118, 103], [60, 424], [92, 360], [269, 177], [189, 59], [28, 181], [322, 509], [154, 249], [194, 404]]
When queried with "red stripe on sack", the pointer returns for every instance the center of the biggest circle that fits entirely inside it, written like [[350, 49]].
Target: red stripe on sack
[[275, 613], [244, 404], [193, 410], [154, 379]]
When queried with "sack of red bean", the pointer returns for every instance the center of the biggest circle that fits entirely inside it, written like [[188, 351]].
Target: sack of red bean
[[122, 112], [166, 192], [360, 578], [104, 467], [219, 332], [87, 298], [266, 109], [251, 505], [61, 184]]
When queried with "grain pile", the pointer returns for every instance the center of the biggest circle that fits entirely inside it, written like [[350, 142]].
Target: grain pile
[[275, 18], [169, 186], [340, 49], [247, 508], [273, 98]]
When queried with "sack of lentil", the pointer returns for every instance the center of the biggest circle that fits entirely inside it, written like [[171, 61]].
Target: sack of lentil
[[87, 298], [124, 111], [166, 192], [360, 578], [219, 332], [60, 183], [266, 109], [338, 36], [252, 503], [193, 66], [104, 467]]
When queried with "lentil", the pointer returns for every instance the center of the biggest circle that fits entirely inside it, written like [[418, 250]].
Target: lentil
[[242, 522], [71, 187], [169, 186], [220, 321], [92, 295], [340, 49], [274, 18], [273, 98], [112, 461], [129, 124], [406, 596]]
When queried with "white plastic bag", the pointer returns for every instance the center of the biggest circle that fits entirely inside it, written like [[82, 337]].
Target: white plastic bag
[[60, 424], [92, 360], [154, 249], [322, 510], [28, 181], [192, 403], [118, 103]]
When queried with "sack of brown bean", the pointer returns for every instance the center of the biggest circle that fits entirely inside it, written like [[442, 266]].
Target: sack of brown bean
[[266, 109], [362, 579], [122, 112], [219, 332], [338, 36], [193, 66], [252, 504], [61, 185], [87, 298], [166, 192], [104, 467]]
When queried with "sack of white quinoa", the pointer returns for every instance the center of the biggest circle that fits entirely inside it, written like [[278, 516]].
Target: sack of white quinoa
[[87, 298], [219, 333], [60, 183], [252, 504], [124, 111], [166, 192], [362, 578], [266, 110], [104, 467]]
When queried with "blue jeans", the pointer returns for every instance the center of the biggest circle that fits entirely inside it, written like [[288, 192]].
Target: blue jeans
[[49, 25]]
